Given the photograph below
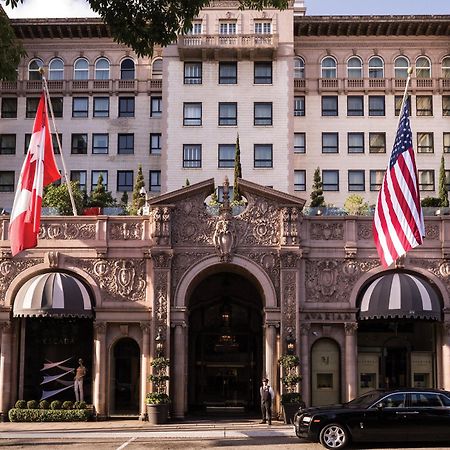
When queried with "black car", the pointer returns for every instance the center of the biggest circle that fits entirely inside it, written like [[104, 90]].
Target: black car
[[406, 415]]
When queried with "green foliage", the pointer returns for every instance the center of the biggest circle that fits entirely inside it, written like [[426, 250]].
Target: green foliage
[[156, 398], [431, 202], [48, 415], [67, 405], [159, 380], [11, 50], [443, 191], [291, 397], [44, 404], [58, 197], [289, 361], [32, 404], [79, 405], [124, 202], [187, 183], [100, 197], [237, 198], [21, 404], [55, 404], [138, 199], [160, 363], [214, 201], [355, 205], [317, 198], [290, 378]]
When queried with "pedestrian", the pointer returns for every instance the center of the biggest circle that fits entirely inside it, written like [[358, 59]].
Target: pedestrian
[[267, 395]]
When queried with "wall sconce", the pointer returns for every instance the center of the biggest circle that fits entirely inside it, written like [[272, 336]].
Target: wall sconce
[[290, 344], [159, 339]]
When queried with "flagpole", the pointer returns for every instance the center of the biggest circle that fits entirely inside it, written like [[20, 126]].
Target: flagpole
[[49, 103]]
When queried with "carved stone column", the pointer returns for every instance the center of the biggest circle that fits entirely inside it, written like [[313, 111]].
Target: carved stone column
[[99, 369], [271, 352], [446, 356], [179, 381], [145, 361], [5, 367], [351, 358], [304, 362]]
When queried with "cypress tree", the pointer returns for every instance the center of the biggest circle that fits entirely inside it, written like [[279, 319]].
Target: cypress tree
[[138, 200], [443, 191], [237, 172], [100, 196], [317, 198]]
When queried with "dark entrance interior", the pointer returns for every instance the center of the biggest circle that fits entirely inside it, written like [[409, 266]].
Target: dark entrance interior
[[225, 345]]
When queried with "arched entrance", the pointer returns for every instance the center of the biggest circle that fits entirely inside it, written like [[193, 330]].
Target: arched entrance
[[225, 357]]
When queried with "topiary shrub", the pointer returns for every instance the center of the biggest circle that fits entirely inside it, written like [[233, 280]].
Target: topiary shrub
[[67, 405], [48, 415], [55, 404], [44, 404], [79, 405], [32, 404], [21, 404]]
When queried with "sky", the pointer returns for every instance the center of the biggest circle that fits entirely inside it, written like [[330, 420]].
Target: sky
[[80, 8]]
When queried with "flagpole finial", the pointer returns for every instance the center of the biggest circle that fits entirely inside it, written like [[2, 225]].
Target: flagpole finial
[[41, 70], [410, 70]]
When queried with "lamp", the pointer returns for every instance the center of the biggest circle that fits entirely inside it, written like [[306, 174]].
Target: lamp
[[159, 339], [290, 344], [145, 209]]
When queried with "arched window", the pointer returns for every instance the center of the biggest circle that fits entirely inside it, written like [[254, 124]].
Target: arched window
[[423, 67], [127, 69], [102, 69], [33, 69], [56, 69], [401, 65], [299, 68], [329, 67], [354, 68], [376, 67], [81, 69], [157, 68], [446, 67]]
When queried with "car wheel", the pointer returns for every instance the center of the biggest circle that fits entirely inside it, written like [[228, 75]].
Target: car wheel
[[334, 436]]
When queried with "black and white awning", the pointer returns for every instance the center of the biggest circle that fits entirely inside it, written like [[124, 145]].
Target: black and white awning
[[400, 295], [53, 294]]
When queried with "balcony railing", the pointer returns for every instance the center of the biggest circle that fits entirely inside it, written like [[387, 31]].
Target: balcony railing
[[229, 40]]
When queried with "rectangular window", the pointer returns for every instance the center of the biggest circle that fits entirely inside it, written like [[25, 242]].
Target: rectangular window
[[376, 179], [155, 143], [192, 114], [81, 177], [424, 105], [299, 180], [79, 144], [425, 143], [125, 144], [55, 143], [192, 156], [377, 142], [355, 142], [155, 181], [262, 155], [80, 106], [196, 27], [101, 106], [227, 27], [262, 72], [94, 178], [7, 181], [100, 143], [329, 105], [447, 179], [446, 105], [356, 181], [126, 106], [330, 180], [155, 106], [398, 103], [262, 113], [446, 142], [355, 105], [7, 144], [376, 105], [124, 180], [27, 142], [426, 180], [227, 72], [299, 142], [330, 142], [299, 105], [227, 114], [57, 106], [226, 155], [9, 107], [263, 27], [192, 73], [32, 106]]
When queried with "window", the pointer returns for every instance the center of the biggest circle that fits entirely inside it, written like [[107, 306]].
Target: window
[[56, 69], [424, 105], [192, 114], [376, 105], [262, 113], [155, 181], [196, 27], [126, 106], [227, 113], [102, 69], [356, 180], [423, 67], [394, 401], [125, 144], [401, 65], [157, 68], [446, 142], [330, 143], [330, 180], [329, 67], [398, 103], [192, 155], [227, 72], [32, 106], [355, 105], [354, 68], [446, 67], [81, 177], [299, 68], [33, 69], [9, 107], [100, 143], [27, 142], [355, 142], [7, 144], [155, 106], [155, 143], [426, 180], [376, 67], [80, 106], [425, 143], [124, 180], [377, 142], [226, 155], [95, 174], [262, 72], [227, 27], [192, 73], [54, 143], [57, 106], [376, 179], [263, 27], [299, 180], [79, 144], [101, 106], [299, 105], [7, 181], [446, 105], [299, 142], [127, 69], [81, 69], [329, 105], [447, 179], [263, 155]]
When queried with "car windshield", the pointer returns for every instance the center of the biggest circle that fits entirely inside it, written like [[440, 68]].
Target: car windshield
[[364, 400]]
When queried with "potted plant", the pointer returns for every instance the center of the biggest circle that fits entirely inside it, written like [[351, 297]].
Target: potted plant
[[158, 400], [291, 400]]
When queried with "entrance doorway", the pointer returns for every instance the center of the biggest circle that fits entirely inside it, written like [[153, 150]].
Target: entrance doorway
[[225, 345]]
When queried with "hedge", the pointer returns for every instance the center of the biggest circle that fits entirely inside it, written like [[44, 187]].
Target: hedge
[[48, 415]]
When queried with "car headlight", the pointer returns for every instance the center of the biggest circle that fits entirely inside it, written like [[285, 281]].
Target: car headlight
[[306, 419]]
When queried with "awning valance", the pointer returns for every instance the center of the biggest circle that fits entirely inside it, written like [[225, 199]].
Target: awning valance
[[400, 295], [53, 294]]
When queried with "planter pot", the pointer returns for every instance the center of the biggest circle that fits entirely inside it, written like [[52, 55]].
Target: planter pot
[[158, 414], [289, 410]]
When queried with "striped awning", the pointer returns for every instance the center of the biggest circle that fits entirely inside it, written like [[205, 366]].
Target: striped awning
[[53, 294], [400, 295]]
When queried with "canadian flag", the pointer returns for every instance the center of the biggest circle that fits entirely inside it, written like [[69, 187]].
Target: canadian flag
[[38, 170]]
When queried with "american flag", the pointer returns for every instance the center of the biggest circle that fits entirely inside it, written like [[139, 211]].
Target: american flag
[[398, 222]]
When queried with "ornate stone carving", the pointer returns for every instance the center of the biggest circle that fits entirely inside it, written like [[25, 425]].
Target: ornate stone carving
[[100, 327], [125, 231], [290, 219], [224, 238], [270, 262], [67, 231], [161, 225], [289, 303], [304, 329], [145, 327], [444, 269], [181, 262], [432, 232], [327, 316], [327, 231], [364, 230], [53, 259], [289, 260], [350, 328], [437, 267], [161, 260], [160, 306]]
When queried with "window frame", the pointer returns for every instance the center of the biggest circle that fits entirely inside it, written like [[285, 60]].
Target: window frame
[[225, 163], [426, 111], [155, 150], [373, 174], [425, 135], [95, 174], [375, 110], [100, 149], [299, 100], [192, 163], [374, 135], [353, 111], [102, 73], [262, 163], [356, 186], [80, 113], [151, 186], [262, 79], [195, 120], [332, 109], [427, 187], [9, 149], [300, 149], [7, 185], [124, 109], [31, 107], [126, 71], [125, 186], [127, 149], [328, 186], [333, 149], [231, 119], [299, 187], [262, 120], [97, 112], [355, 149], [77, 148], [83, 73], [228, 79], [189, 78], [79, 172], [12, 112], [156, 106]]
